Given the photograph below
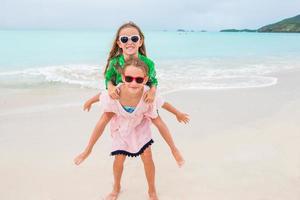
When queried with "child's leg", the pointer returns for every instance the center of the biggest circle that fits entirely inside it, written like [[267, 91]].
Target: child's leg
[[118, 170], [98, 131], [150, 172], [165, 133], [88, 104]]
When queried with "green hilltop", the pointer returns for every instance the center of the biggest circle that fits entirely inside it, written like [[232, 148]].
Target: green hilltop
[[289, 25]]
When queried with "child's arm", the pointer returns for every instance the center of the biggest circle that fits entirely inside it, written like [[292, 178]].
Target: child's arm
[[98, 130], [111, 74], [149, 96], [181, 117], [112, 90]]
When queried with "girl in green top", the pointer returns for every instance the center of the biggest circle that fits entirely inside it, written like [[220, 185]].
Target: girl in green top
[[129, 43]]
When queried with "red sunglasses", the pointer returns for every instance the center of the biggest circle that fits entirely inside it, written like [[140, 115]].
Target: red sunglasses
[[138, 80]]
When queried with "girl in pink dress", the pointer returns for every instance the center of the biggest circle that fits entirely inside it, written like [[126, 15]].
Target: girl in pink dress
[[130, 125]]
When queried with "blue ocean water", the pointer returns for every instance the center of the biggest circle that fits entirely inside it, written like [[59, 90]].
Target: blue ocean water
[[203, 60]]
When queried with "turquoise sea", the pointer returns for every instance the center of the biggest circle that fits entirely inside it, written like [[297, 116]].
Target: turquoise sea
[[184, 60]]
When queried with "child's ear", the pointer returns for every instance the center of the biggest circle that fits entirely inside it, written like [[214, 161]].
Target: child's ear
[[146, 80]]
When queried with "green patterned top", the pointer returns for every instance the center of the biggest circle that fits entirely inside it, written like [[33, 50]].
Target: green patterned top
[[112, 74]]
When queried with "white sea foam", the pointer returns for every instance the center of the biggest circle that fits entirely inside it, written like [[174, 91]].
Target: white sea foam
[[172, 75], [81, 75]]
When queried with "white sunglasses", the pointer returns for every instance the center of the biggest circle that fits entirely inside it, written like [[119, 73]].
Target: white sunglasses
[[124, 38]]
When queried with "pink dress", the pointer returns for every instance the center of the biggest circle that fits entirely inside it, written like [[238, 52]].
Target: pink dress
[[131, 133]]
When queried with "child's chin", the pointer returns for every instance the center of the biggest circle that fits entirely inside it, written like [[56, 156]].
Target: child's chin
[[131, 52], [134, 90]]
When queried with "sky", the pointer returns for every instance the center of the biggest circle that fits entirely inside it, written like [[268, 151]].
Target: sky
[[211, 15]]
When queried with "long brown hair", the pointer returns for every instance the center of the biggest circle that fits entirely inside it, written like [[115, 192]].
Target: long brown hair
[[116, 50]]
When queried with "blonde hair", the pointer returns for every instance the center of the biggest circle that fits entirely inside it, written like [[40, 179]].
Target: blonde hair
[[116, 50]]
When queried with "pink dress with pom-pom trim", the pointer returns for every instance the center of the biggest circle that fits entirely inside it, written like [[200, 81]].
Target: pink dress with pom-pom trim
[[130, 132]]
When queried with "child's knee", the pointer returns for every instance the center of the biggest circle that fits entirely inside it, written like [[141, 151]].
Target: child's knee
[[157, 121], [107, 116], [147, 156]]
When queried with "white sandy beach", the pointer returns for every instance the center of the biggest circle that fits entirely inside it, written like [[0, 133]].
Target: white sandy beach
[[240, 144]]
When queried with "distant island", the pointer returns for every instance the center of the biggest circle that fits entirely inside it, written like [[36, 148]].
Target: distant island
[[185, 31], [289, 25], [237, 30]]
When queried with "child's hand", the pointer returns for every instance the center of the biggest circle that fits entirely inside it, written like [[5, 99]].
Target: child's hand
[[81, 157], [149, 96], [87, 105], [113, 92], [182, 117]]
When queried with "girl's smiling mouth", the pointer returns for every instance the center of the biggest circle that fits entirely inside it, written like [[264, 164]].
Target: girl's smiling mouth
[[130, 47]]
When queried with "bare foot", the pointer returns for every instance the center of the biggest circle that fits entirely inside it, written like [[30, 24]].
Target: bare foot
[[178, 157], [153, 196], [81, 157], [114, 194]]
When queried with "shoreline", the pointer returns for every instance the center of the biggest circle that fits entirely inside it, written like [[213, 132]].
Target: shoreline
[[53, 97]]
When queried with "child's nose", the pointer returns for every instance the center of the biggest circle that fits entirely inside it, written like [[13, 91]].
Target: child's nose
[[130, 41], [134, 83]]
